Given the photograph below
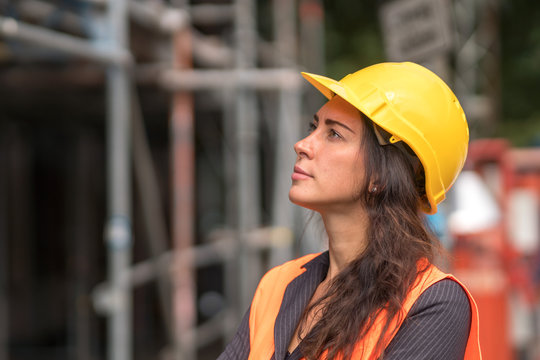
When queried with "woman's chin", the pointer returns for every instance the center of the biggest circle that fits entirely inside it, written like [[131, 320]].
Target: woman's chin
[[302, 201]]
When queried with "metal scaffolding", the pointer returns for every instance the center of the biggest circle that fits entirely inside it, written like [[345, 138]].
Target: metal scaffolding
[[477, 70], [118, 229], [232, 70], [463, 32]]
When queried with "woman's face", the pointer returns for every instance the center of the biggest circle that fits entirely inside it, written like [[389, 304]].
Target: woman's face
[[329, 172]]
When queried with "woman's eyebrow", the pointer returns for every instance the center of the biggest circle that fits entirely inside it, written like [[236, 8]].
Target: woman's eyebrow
[[332, 122], [335, 122]]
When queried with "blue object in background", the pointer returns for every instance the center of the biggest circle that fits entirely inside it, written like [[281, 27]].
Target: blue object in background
[[438, 224]]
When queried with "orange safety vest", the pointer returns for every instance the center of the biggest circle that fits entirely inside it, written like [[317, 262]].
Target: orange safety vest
[[267, 301]]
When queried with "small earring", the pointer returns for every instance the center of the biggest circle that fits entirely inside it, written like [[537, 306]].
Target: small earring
[[373, 190]]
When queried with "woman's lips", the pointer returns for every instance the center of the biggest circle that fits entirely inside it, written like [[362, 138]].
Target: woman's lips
[[300, 174]]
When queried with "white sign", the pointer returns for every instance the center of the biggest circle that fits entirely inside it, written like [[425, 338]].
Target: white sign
[[416, 29]]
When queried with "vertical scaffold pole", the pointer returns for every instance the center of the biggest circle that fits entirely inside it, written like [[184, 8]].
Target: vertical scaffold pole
[[247, 148], [118, 227], [287, 122], [183, 165], [477, 75], [4, 246], [311, 56]]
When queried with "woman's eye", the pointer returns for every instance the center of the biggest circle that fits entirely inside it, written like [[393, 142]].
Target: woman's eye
[[334, 134], [312, 127]]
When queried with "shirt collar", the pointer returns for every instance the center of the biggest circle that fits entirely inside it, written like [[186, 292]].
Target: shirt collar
[[322, 261]]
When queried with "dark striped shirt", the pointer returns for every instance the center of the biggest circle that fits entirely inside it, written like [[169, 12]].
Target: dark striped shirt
[[437, 326]]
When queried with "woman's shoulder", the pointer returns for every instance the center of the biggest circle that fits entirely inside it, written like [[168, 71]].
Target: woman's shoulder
[[274, 283], [442, 314], [446, 297]]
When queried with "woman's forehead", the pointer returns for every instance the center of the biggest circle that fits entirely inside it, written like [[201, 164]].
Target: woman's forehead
[[340, 110]]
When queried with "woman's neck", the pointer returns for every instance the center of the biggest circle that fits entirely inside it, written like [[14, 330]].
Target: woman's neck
[[346, 239]]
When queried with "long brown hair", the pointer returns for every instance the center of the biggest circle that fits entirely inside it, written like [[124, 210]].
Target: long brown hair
[[381, 276]]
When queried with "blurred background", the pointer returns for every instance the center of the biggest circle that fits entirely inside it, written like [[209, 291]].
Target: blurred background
[[146, 153]]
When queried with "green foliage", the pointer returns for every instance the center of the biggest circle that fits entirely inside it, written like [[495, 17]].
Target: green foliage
[[520, 132], [520, 59], [353, 37]]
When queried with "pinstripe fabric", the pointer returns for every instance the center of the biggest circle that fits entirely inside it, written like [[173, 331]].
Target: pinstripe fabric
[[238, 348], [295, 300], [437, 326]]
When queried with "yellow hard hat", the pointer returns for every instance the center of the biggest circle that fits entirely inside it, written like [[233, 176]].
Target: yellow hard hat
[[415, 106]]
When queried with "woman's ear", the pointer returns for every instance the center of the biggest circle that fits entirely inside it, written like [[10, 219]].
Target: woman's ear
[[373, 188]]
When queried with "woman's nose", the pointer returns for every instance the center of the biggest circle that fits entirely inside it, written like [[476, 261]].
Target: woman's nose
[[304, 147]]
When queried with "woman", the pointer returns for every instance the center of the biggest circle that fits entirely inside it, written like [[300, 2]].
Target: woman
[[387, 145]]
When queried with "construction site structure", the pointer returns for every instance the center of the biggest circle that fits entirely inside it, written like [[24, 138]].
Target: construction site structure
[[225, 75], [219, 50]]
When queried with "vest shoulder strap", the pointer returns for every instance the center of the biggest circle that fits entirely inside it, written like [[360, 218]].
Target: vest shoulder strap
[[266, 304]]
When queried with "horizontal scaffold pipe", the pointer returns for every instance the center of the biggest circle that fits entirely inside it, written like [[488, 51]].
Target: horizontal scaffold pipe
[[223, 247], [68, 44], [212, 14], [155, 15], [259, 79]]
